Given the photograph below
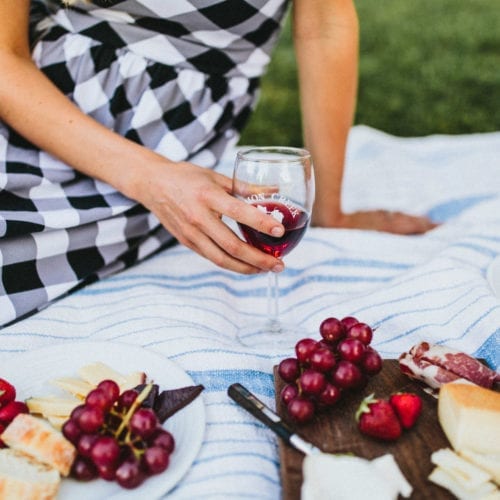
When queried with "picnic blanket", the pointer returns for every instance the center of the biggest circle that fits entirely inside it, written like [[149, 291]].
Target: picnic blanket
[[411, 288]]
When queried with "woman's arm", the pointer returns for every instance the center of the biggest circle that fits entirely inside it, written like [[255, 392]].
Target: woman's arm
[[326, 36], [188, 200]]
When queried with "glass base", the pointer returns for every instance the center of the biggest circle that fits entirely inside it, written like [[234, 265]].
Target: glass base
[[270, 333]]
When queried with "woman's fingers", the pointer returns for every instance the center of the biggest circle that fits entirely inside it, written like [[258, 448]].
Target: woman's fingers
[[386, 221], [248, 214], [220, 245]]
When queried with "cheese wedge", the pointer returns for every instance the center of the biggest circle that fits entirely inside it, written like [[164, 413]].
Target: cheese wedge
[[470, 417]]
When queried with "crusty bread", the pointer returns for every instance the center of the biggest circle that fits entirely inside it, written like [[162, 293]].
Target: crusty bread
[[38, 439], [23, 479], [470, 417]]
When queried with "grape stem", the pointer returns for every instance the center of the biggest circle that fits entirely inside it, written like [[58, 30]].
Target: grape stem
[[138, 401]]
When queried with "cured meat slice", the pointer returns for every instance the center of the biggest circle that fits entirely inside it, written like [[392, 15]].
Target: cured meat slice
[[437, 364], [432, 375]]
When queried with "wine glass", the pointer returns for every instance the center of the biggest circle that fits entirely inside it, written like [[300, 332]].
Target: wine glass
[[278, 181]]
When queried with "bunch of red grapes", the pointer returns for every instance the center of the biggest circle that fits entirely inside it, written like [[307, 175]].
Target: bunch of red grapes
[[342, 360], [116, 437]]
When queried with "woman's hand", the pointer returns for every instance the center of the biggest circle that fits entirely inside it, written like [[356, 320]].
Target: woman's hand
[[190, 201], [380, 220]]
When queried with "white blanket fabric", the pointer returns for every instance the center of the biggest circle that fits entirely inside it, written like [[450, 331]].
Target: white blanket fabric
[[411, 288]]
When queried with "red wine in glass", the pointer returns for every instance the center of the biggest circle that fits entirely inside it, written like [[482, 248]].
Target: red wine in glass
[[293, 218]]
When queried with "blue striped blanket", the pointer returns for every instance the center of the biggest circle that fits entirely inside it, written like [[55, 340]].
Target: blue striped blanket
[[411, 288]]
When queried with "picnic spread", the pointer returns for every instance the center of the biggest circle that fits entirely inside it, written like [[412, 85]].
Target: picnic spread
[[180, 307]]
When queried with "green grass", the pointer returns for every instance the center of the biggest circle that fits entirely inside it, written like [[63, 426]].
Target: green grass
[[426, 67]]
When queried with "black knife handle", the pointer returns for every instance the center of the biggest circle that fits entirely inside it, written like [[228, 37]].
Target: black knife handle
[[259, 410]]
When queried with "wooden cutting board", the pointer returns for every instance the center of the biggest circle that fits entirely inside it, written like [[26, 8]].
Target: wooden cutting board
[[336, 432]]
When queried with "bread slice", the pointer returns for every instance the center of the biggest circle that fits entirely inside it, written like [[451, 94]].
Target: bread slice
[[23, 479], [39, 440], [470, 417]]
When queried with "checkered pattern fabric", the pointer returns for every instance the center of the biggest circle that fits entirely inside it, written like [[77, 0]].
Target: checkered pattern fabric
[[180, 77]]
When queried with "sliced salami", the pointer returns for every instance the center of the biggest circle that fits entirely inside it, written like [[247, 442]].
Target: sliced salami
[[436, 364]]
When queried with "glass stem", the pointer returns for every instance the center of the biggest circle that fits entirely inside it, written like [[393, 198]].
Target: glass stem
[[272, 300]]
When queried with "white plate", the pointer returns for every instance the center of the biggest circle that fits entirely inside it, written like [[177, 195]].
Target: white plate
[[493, 276], [31, 371]]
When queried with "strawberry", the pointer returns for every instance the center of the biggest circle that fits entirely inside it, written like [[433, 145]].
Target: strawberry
[[7, 392], [407, 406], [377, 418], [2, 428], [11, 410]]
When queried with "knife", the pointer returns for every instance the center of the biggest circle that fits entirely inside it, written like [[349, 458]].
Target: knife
[[259, 410]]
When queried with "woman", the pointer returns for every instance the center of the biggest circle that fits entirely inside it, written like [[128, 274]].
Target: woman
[[110, 112]]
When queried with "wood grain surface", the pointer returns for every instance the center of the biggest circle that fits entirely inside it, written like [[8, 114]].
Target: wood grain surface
[[335, 431]]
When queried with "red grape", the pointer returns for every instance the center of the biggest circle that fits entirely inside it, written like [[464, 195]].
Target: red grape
[[90, 419], [75, 413], [329, 395], [362, 332], [163, 438], [129, 474], [110, 388], [312, 382], [348, 321], [126, 399], [83, 469], [347, 375], [289, 370], [289, 392], [144, 422], [322, 359], [105, 452], [155, 459], [351, 350], [86, 443], [304, 349], [331, 329], [99, 399], [71, 431], [301, 409], [372, 362], [106, 472]]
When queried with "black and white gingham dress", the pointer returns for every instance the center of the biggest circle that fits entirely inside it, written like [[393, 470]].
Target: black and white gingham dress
[[179, 76]]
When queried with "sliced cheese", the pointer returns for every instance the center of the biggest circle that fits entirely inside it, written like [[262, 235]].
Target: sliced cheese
[[52, 406], [98, 371], [464, 472], [489, 463], [470, 417], [75, 386], [443, 478]]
